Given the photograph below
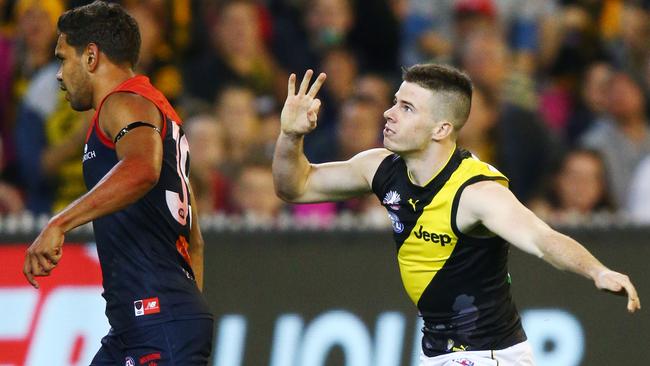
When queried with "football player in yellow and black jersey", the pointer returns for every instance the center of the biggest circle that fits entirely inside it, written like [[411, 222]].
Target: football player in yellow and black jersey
[[452, 216]]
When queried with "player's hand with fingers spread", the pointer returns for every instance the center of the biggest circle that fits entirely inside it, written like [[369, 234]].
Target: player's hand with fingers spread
[[619, 283], [44, 254], [300, 110]]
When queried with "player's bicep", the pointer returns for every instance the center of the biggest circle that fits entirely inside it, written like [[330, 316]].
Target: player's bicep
[[334, 181], [143, 143], [138, 122], [341, 180], [122, 110]]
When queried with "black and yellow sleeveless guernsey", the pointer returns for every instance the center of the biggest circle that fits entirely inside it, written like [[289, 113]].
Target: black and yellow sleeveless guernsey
[[460, 284], [143, 249]]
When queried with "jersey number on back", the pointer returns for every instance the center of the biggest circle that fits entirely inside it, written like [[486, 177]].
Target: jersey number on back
[[179, 203]]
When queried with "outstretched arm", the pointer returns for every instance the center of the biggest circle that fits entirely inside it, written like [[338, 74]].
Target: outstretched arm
[[295, 179], [139, 156], [495, 207]]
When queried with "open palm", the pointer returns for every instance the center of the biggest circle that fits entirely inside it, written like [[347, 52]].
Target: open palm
[[300, 110]]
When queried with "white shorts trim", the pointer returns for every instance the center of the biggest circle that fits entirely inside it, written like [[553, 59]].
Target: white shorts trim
[[520, 354]]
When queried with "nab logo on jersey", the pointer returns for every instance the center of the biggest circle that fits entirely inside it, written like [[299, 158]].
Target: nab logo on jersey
[[146, 306], [443, 239]]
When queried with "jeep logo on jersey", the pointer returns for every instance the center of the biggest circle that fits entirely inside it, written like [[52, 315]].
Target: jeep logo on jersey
[[443, 239]]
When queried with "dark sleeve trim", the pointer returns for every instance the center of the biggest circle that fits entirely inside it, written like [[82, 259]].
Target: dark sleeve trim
[[131, 126], [454, 205]]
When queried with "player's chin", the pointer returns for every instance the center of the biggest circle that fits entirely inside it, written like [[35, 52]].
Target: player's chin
[[79, 106], [388, 144], [391, 146]]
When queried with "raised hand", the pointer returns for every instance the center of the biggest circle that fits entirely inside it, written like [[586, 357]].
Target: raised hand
[[300, 110]]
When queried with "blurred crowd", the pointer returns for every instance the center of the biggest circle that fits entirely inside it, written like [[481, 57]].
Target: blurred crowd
[[560, 103]]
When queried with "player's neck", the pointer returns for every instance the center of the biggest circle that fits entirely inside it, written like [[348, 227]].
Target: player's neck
[[425, 165], [107, 80]]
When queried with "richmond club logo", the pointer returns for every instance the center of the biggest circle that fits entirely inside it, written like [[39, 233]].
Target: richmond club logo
[[392, 199]]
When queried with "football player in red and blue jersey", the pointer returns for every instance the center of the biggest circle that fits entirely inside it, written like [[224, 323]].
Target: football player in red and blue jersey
[[136, 168]]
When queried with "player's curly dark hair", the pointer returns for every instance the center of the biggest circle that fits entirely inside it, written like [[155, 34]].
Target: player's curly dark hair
[[108, 26]]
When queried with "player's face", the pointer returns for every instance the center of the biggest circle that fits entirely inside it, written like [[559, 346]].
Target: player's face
[[409, 122], [72, 76]]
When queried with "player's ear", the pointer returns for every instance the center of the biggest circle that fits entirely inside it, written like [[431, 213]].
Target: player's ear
[[441, 130], [91, 57]]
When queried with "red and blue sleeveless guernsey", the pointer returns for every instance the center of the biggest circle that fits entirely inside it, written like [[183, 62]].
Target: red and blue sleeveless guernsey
[[143, 248]]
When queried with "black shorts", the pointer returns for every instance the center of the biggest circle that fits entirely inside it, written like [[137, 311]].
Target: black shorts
[[174, 343]]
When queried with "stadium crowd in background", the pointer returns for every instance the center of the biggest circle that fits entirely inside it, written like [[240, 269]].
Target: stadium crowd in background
[[560, 103]]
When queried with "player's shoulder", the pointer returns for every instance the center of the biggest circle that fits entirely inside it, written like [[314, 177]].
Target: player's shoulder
[[367, 162], [125, 107], [370, 159], [125, 100], [379, 153], [473, 165]]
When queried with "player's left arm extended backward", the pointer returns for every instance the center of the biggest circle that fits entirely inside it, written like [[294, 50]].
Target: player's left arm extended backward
[[139, 155], [496, 208], [196, 243]]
